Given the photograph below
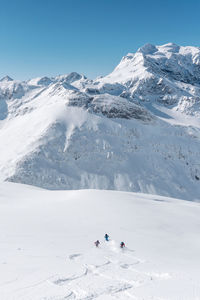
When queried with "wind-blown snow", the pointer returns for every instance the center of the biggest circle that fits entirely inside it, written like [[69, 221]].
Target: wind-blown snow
[[136, 129], [47, 245]]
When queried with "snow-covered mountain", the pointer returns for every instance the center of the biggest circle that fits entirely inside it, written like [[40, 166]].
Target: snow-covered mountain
[[136, 129]]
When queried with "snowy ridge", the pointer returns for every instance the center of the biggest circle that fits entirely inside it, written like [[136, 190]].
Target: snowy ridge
[[136, 129]]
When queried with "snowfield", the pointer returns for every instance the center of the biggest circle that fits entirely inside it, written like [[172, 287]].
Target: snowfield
[[48, 253]]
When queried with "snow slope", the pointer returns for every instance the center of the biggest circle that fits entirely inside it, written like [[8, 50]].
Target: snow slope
[[47, 245], [136, 129]]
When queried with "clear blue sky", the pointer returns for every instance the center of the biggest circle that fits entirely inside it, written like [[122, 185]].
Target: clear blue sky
[[48, 37]]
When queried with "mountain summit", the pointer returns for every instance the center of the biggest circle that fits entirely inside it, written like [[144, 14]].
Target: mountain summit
[[6, 78], [136, 129]]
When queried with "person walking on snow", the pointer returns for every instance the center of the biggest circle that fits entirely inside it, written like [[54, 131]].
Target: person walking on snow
[[122, 245], [97, 243], [106, 237]]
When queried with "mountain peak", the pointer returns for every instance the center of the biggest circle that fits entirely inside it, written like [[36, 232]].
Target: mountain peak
[[170, 47], [6, 78], [70, 78], [148, 49]]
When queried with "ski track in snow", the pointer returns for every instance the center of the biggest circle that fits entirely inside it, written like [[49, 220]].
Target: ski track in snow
[[115, 278]]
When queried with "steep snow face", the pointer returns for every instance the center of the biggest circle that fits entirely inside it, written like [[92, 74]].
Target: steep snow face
[[48, 252], [136, 129]]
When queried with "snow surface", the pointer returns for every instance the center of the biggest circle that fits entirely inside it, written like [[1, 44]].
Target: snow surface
[[136, 129], [47, 245]]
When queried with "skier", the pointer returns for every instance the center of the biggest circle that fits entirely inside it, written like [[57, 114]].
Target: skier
[[106, 237], [122, 245], [97, 243]]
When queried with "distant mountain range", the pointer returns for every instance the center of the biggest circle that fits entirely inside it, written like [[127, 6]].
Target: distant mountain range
[[136, 129]]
